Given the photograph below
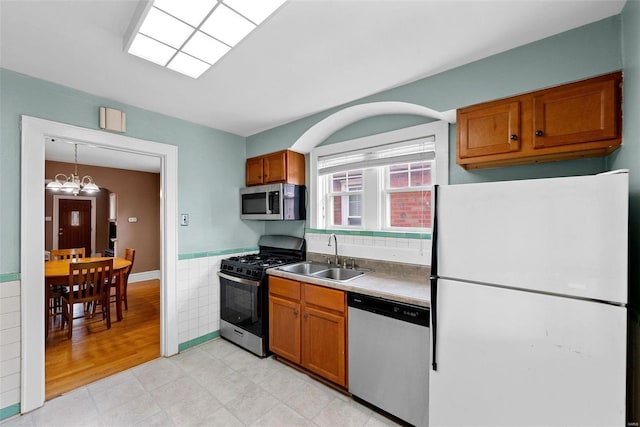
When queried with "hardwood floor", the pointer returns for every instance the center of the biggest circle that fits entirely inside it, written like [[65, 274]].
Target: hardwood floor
[[95, 352]]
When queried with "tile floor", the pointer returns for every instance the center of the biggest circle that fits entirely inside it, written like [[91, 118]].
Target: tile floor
[[214, 384]]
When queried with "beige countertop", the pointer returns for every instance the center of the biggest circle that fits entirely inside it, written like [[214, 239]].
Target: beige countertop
[[410, 289]]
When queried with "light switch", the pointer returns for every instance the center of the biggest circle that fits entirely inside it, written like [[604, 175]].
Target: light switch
[[133, 219], [184, 219]]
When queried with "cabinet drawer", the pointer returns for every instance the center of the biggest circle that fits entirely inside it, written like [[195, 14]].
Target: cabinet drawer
[[324, 297], [284, 287]]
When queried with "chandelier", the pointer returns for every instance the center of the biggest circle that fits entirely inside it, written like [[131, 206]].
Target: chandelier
[[73, 183]]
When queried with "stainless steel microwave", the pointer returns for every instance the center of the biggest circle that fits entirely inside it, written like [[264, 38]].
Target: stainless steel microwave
[[273, 202]]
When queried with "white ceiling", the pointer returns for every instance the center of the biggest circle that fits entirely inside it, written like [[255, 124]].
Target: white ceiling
[[309, 56]]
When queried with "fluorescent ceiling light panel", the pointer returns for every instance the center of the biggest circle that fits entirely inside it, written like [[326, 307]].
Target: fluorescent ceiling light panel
[[188, 65], [227, 26], [165, 28], [256, 10], [189, 36], [151, 50], [206, 48], [192, 12]]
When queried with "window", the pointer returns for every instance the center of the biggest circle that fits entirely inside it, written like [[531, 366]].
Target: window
[[408, 196], [345, 198], [379, 183]]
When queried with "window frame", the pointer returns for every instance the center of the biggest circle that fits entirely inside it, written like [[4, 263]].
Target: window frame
[[329, 194], [387, 190], [438, 129]]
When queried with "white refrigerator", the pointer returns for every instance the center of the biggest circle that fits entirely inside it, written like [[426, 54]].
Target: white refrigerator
[[529, 295]]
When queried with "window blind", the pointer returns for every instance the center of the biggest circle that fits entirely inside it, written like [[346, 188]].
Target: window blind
[[409, 151]]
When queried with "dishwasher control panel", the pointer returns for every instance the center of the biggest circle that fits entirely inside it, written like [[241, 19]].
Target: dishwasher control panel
[[397, 310]]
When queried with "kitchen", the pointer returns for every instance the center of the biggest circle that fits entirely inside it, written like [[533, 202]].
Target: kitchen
[[541, 64]]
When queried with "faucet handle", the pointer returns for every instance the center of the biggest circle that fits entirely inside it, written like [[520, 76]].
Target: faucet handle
[[353, 263], [328, 258]]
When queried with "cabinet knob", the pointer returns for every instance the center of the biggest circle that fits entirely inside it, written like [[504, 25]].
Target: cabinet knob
[[295, 312], [539, 133], [306, 316], [514, 137]]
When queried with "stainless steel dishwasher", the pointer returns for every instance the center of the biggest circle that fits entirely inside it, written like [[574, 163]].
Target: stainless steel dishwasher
[[389, 356]]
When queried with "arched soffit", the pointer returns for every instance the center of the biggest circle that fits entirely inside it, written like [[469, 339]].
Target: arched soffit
[[340, 119]]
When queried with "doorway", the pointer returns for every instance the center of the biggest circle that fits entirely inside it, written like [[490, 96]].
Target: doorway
[[74, 223], [34, 133]]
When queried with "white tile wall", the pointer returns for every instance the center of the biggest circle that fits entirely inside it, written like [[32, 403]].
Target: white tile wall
[[9, 343], [199, 297], [408, 251]]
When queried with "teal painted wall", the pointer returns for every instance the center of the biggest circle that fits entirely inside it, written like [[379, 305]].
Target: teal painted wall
[[210, 164], [574, 55], [583, 52]]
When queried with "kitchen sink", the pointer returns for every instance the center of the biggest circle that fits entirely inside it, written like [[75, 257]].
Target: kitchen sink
[[306, 268], [339, 274], [323, 271]]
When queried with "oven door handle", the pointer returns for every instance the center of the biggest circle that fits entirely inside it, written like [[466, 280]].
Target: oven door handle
[[239, 279]]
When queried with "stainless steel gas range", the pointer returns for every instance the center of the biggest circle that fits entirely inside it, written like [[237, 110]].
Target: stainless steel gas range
[[244, 293]]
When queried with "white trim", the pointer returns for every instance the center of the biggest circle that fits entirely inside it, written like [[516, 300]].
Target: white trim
[[34, 132], [56, 219], [144, 275], [324, 128], [440, 129]]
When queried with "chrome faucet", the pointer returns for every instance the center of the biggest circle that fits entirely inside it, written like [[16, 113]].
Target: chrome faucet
[[335, 240]]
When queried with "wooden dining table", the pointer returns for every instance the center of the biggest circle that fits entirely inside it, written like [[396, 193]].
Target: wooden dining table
[[57, 272]]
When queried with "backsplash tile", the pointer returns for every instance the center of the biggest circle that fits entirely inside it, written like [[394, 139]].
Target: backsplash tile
[[10, 344], [392, 247], [199, 294]]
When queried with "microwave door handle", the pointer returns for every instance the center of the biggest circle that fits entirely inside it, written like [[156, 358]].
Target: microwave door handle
[[269, 201]]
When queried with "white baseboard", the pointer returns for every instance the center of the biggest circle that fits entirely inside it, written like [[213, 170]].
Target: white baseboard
[[145, 275]]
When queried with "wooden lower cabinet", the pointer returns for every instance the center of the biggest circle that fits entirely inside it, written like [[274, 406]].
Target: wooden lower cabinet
[[284, 328], [324, 344], [307, 326]]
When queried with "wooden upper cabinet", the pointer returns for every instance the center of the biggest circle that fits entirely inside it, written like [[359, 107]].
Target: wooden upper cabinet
[[283, 166], [489, 129], [575, 120], [254, 174], [577, 113]]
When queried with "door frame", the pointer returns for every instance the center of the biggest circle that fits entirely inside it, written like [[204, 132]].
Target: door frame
[[56, 219], [33, 136]]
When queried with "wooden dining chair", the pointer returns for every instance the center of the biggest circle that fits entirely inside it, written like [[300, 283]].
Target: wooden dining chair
[[87, 283], [55, 290], [130, 255], [71, 253]]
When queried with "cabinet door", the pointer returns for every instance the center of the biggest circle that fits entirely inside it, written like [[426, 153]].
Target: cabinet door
[[323, 347], [577, 113], [254, 171], [275, 167], [284, 328], [493, 128]]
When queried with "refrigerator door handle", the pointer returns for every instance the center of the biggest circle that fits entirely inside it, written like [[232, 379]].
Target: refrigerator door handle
[[434, 281], [434, 321]]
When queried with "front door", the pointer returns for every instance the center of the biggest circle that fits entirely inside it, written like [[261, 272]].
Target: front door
[[74, 224]]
